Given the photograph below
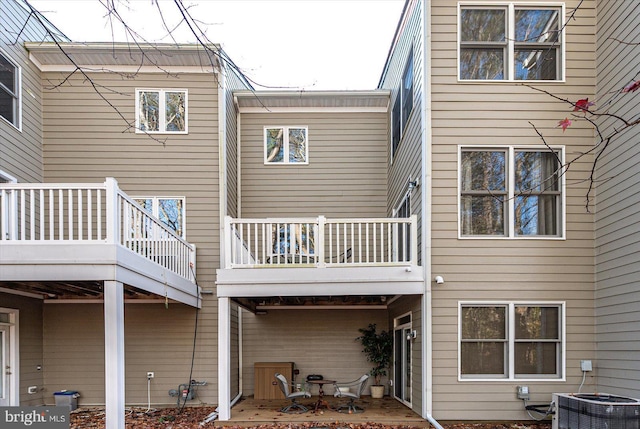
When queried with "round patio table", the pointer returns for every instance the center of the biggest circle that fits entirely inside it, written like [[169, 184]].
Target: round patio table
[[320, 403]]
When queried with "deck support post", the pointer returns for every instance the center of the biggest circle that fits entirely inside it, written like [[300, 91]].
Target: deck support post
[[114, 354], [224, 358]]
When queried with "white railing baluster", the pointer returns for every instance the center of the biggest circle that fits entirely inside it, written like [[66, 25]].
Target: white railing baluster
[[89, 215], [32, 215], [70, 214], [23, 219]]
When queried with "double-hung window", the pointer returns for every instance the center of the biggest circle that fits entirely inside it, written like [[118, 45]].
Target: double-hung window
[[169, 210], [511, 192], [160, 111], [511, 340], [9, 91], [403, 105], [510, 41], [286, 145]]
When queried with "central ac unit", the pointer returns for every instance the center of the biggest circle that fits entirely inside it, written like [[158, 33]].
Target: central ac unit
[[595, 411]]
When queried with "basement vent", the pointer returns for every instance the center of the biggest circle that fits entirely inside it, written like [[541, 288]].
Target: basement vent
[[595, 410]]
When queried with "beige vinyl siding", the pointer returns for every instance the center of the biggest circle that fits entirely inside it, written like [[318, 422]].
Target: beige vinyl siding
[[87, 140], [407, 160], [618, 198], [345, 177], [29, 344], [21, 150], [157, 339], [317, 341], [466, 113], [233, 82]]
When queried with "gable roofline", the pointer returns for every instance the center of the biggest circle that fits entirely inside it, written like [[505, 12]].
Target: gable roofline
[[396, 37], [51, 29]]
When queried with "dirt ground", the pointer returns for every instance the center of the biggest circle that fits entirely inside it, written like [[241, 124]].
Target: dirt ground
[[193, 418]]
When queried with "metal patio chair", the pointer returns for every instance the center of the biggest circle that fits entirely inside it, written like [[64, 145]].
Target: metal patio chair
[[286, 390], [355, 389]]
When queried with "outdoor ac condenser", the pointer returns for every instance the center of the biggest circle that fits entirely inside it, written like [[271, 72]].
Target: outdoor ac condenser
[[595, 410]]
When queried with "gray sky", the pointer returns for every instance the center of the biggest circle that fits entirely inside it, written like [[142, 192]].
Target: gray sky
[[303, 44]]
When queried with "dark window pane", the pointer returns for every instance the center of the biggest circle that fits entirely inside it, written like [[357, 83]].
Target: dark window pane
[[535, 358], [536, 172], [483, 358], [483, 170], [170, 213], [482, 64], [482, 323], [7, 74], [274, 146], [407, 91], [175, 111], [6, 106], [536, 64], [536, 215], [537, 323], [395, 136], [149, 114], [536, 25], [482, 215], [297, 145], [482, 25]]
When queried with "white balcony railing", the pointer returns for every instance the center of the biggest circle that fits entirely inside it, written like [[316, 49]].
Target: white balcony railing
[[89, 213], [320, 242]]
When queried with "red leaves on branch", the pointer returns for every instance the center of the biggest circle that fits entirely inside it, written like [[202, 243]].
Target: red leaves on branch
[[583, 105], [566, 122], [632, 87]]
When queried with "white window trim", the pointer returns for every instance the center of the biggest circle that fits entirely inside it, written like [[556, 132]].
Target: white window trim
[[154, 209], [18, 124], [162, 110], [285, 145], [562, 360], [511, 36], [509, 215]]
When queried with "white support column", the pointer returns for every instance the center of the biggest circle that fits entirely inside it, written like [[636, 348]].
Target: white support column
[[224, 359], [114, 354]]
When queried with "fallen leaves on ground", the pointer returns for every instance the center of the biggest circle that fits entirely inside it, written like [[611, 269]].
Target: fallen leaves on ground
[[194, 417]]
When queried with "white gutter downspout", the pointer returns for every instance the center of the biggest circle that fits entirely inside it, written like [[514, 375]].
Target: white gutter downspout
[[427, 313], [224, 315]]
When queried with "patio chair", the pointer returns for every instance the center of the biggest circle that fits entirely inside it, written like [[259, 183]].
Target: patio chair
[[351, 390], [286, 390]]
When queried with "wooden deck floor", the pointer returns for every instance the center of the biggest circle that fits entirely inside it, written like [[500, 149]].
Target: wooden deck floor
[[250, 412]]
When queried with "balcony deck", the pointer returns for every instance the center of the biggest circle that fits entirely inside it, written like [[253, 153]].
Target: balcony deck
[[319, 257], [250, 412], [84, 234]]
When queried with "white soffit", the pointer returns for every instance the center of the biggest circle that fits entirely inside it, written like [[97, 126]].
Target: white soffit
[[312, 101], [106, 57]]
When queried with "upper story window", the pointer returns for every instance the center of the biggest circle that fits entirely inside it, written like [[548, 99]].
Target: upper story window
[[286, 145], [160, 111], [511, 192], [9, 91], [169, 210], [511, 341], [403, 105], [510, 41]]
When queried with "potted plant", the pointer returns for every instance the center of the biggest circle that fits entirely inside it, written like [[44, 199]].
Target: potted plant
[[378, 346]]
